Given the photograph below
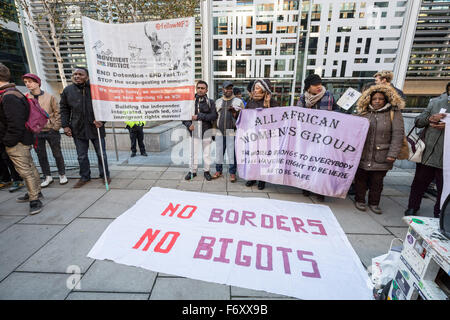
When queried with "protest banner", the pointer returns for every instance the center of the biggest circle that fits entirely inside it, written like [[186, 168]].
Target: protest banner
[[145, 71], [446, 160], [310, 149], [289, 248]]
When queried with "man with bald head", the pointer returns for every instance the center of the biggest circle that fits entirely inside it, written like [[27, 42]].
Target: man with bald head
[[78, 121]]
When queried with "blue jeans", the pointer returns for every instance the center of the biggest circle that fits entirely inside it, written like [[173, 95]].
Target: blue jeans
[[82, 146], [222, 144]]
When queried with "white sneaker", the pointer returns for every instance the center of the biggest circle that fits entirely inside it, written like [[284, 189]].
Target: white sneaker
[[63, 179], [47, 181]]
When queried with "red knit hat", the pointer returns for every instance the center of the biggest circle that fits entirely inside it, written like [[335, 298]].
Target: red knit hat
[[32, 76]]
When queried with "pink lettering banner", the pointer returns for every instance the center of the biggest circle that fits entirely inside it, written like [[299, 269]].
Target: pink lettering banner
[[295, 249], [310, 149]]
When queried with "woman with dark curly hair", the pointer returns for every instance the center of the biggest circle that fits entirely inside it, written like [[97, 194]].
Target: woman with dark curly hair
[[381, 105]]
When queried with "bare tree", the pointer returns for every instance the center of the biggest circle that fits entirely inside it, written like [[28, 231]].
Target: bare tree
[[50, 19]]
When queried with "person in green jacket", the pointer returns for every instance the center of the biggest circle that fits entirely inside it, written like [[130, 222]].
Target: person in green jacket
[[432, 158], [136, 129]]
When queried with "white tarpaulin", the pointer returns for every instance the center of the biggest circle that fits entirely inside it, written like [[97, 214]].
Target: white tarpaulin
[[289, 248], [141, 71]]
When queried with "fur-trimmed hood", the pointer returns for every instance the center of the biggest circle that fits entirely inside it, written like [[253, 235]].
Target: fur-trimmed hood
[[389, 91]]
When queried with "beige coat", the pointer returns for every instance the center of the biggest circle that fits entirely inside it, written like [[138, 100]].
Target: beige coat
[[385, 136], [48, 103]]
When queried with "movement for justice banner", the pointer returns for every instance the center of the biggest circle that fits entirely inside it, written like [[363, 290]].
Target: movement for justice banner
[[289, 248], [141, 71], [315, 150], [446, 160]]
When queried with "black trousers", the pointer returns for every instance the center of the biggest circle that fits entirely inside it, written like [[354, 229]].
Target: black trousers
[[423, 177], [54, 140], [137, 133], [7, 170], [369, 180]]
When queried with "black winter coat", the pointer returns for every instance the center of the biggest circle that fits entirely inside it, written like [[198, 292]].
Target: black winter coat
[[206, 113], [14, 112], [77, 112]]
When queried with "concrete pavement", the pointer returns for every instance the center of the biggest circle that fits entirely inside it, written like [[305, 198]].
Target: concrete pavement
[[44, 256]]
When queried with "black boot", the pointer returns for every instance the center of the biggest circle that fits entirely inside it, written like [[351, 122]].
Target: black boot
[[261, 185], [410, 212], [249, 183], [190, 176]]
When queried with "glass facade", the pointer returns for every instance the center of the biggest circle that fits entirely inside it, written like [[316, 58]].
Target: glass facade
[[12, 51], [345, 42]]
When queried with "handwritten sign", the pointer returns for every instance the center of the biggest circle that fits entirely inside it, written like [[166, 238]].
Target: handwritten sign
[[288, 248], [315, 150], [348, 99]]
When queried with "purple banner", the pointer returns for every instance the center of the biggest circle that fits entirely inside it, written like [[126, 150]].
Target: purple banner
[[315, 150]]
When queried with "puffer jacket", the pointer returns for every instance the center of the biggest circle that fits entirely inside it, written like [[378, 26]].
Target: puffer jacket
[[205, 109], [14, 112], [77, 112], [434, 138], [386, 132]]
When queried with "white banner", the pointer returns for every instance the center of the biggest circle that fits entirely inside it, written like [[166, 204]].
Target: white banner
[[446, 160], [141, 71], [288, 248]]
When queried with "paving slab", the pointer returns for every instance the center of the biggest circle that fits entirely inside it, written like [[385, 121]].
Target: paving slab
[[14, 208], [218, 185], [287, 189], [399, 232], [426, 207], [34, 286], [141, 184], [238, 187], [56, 185], [249, 293], [369, 246], [188, 289], [106, 296], [19, 242], [173, 175], [120, 183], [152, 168], [6, 195], [190, 185], [113, 203], [108, 276], [249, 194], [392, 213], [152, 175], [7, 221], [294, 197], [353, 220], [171, 184], [67, 207], [69, 248]]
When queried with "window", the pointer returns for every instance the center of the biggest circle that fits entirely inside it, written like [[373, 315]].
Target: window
[[381, 4], [241, 68], [248, 44], [261, 41], [343, 66], [280, 65], [220, 65], [264, 27], [367, 48], [346, 44], [287, 48], [338, 44], [218, 44]]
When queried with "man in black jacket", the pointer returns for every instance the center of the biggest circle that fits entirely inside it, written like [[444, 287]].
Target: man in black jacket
[[78, 121], [205, 115], [14, 112]]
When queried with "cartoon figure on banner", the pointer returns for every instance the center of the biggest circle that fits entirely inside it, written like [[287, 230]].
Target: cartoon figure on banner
[[98, 48], [156, 43], [135, 51]]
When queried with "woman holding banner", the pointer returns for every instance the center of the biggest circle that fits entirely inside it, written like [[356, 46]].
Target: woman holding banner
[[316, 96], [381, 105], [260, 97]]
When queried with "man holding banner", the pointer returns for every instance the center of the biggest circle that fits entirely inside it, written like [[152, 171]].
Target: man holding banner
[[228, 108], [78, 121]]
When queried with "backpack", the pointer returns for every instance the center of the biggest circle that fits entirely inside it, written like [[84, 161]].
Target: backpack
[[37, 118]]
